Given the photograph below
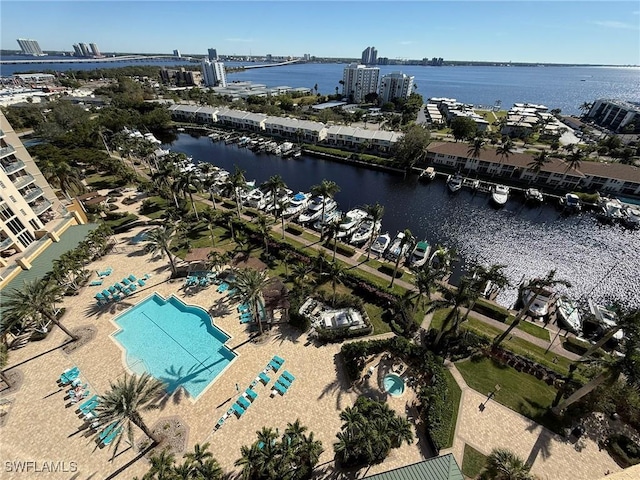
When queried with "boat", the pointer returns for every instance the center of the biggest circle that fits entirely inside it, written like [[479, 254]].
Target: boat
[[314, 210], [440, 258], [454, 183], [365, 231], [428, 173], [282, 199], [330, 216], [571, 202], [297, 204], [631, 217], [380, 245], [351, 222], [500, 195], [605, 318], [420, 254], [537, 302], [533, 195], [471, 183], [398, 248], [254, 199], [568, 315], [611, 210]]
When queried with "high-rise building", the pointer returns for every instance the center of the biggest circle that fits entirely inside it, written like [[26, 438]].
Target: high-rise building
[[27, 201], [359, 80], [213, 54], [95, 50], [84, 48], [214, 74], [176, 53], [395, 85], [30, 47], [369, 56], [76, 50]]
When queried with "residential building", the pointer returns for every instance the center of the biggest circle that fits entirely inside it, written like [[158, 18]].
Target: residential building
[[213, 74], [616, 115], [443, 467], [213, 55], [176, 53], [395, 85], [30, 47], [76, 50], [450, 108], [369, 56], [356, 138], [95, 50], [180, 77], [84, 48], [358, 81]]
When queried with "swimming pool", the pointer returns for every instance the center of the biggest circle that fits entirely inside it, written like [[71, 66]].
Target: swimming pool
[[175, 342], [393, 385]]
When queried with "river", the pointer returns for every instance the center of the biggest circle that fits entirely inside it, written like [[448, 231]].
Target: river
[[601, 261]]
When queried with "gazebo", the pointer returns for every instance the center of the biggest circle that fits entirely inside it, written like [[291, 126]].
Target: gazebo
[[276, 297], [243, 261], [198, 259]]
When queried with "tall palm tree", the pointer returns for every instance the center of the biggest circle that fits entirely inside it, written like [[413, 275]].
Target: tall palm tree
[[4, 359], [123, 405], [505, 149], [406, 240], [376, 212], [249, 285], [202, 464], [327, 189], [335, 272], [538, 162], [300, 273], [332, 234], [187, 181], [476, 146], [478, 278], [453, 299], [503, 464], [536, 286], [263, 228], [162, 466], [585, 107], [64, 176], [274, 185], [574, 160], [35, 300], [159, 240], [426, 280], [236, 181]]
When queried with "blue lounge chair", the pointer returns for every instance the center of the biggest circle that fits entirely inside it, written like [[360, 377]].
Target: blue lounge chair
[[275, 366], [104, 273], [106, 293], [133, 287], [107, 431], [132, 278], [231, 292], [69, 375], [288, 376], [251, 394], [89, 405], [101, 298], [248, 319], [264, 378], [204, 282], [141, 282], [146, 276], [220, 422], [223, 287], [125, 281], [280, 388], [111, 436], [95, 283], [284, 382], [117, 297], [278, 359], [244, 403], [237, 409], [112, 290]]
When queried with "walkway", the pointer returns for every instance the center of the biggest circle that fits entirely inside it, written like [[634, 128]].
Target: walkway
[[496, 426]]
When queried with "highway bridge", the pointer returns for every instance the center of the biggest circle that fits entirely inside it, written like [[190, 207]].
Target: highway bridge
[[128, 58]]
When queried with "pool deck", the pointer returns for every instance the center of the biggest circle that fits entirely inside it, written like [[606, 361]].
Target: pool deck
[[40, 427]]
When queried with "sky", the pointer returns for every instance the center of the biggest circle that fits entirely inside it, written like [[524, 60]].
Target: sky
[[582, 32]]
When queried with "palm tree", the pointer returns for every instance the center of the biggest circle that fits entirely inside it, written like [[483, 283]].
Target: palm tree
[[327, 189], [332, 234], [505, 149], [503, 464], [187, 180], [274, 185], [123, 405], [375, 212], [300, 273], [453, 299], [162, 466], [476, 147], [574, 160], [249, 285], [585, 107], [540, 159], [478, 278], [159, 240], [202, 464], [335, 272], [426, 280], [236, 181], [407, 239], [264, 230], [63, 175], [36, 300], [4, 359], [536, 286]]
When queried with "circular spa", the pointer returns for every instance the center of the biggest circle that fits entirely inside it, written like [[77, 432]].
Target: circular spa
[[393, 385]]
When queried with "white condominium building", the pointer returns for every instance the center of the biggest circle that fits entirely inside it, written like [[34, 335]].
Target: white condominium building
[[359, 80], [30, 47], [395, 85], [369, 56], [214, 74]]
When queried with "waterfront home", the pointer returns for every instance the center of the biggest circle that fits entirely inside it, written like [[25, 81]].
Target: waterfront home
[[242, 120], [306, 130], [611, 177], [350, 137]]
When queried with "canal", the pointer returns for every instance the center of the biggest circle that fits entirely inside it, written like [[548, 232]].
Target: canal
[[601, 261]]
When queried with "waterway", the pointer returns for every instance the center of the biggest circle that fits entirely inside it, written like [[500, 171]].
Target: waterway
[[601, 261]]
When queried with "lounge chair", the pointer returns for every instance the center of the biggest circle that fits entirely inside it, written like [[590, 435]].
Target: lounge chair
[[275, 366], [146, 276], [89, 405], [278, 359], [288, 376], [104, 273], [111, 436], [69, 375], [231, 292], [223, 287], [237, 409], [101, 298], [107, 294], [204, 282], [132, 278], [117, 297], [119, 287], [277, 387], [95, 283], [243, 308], [125, 281], [77, 398], [112, 290], [220, 422], [141, 282], [264, 378], [244, 403], [247, 319], [283, 381], [107, 431], [133, 287], [251, 394]]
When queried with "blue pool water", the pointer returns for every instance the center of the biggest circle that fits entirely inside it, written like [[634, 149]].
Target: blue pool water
[[174, 342], [393, 385], [140, 237]]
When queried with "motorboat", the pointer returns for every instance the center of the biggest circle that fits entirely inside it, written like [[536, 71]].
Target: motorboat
[[330, 216], [314, 210], [500, 195], [351, 222], [571, 202], [537, 301], [568, 315], [428, 173], [420, 254], [440, 258], [471, 183], [533, 195], [365, 231], [454, 183], [297, 204], [282, 198], [398, 248], [380, 245], [612, 210], [631, 217], [254, 199], [605, 318]]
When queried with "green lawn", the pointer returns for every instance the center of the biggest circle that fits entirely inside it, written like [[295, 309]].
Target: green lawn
[[519, 391], [130, 217], [454, 397], [101, 181], [532, 329], [473, 462]]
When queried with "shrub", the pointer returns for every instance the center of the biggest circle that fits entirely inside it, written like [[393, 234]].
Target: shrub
[[492, 311], [338, 334], [623, 450], [294, 229], [389, 269], [299, 322]]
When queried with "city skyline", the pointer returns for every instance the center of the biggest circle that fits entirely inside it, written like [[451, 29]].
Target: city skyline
[[574, 32]]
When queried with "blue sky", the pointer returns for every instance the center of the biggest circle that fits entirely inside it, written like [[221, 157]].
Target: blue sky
[[601, 32]]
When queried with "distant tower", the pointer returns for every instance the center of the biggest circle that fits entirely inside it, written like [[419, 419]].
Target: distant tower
[[76, 50], [213, 55], [85, 49], [94, 49], [176, 53], [369, 56], [395, 85], [358, 81], [30, 47], [214, 74]]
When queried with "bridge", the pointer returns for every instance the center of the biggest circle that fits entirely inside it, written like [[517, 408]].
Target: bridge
[[130, 58]]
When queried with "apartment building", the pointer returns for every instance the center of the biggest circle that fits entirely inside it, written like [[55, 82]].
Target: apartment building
[[30, 47], [213, 74], [358, 81], [616, 115], [370, 56], [395, 85]]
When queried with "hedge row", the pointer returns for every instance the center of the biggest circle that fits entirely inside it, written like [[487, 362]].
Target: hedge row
[[492, 311]]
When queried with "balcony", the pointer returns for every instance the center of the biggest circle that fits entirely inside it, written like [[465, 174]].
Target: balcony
[[6, 151], [6, 243], [13, 167], [41, 207], [23, 181], [32, 194]]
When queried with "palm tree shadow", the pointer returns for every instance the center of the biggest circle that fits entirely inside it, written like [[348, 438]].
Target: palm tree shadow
[[542, 444], [340, 385], [220, 308], [142, 454], [287, 333]]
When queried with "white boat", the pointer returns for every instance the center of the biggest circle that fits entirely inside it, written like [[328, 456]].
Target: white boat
[[606, 318], [330, 216], [351, 222], [380, 244], [454, 183], [500, 195], [254, 199], [297, 204], [571, 202], [631, 217], [397, 248], [314, 210], [282, 198], [533, 195], [365, 231], [420, 254], [428, 173], [568, 315], [612, 210], [537, 307]]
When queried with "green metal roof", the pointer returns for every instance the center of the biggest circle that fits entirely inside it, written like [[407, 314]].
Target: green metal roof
[[438, 468], [43, 263]]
